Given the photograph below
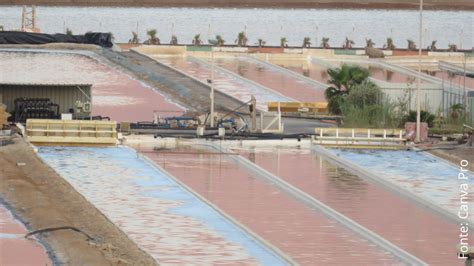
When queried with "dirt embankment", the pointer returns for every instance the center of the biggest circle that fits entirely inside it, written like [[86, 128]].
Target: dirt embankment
[[382, 4], [42, 199], [455, 154]]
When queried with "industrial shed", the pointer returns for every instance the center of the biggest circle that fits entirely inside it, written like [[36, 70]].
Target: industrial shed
[[62, 97]]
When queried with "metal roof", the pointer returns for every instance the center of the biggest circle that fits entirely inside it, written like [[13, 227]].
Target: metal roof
[[44, 84]]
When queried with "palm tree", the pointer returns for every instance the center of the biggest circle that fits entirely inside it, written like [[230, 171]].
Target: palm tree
[[134, 39], [411, 45], [219, 40], [389, 45], [153, 40], [456, 110], [306, 42], [197, 40], [283, 42], [342, 80], [174, 40], [261, 43], [348, 44], [452, 47], [432, 47], [325, 43], [241, 39], [369, 43]]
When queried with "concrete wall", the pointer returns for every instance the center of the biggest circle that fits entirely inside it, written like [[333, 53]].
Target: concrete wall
[[161, 49]]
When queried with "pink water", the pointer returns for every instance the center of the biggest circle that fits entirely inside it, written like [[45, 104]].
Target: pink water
[[455, 80], [115, 94], [276, 80], [312, 71], [14, 248], [302, 233], [223, 82], [400, 221]]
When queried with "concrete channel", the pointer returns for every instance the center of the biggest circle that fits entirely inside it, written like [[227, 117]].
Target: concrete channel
[[181, 88], [360, 199], [303, 233], [427, 200], [163, 218], [328, 211], [240, 77]]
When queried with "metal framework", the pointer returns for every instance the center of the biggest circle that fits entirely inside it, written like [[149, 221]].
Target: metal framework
[[28, 19]]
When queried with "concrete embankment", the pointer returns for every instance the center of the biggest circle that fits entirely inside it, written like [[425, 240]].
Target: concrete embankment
[[43, 199]]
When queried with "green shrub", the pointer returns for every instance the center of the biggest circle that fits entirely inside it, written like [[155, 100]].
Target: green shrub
[[370, 116], [364, 94], [424, 117]]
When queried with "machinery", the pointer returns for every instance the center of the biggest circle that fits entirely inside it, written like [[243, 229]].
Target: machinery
[[41, 108], [82, 110]]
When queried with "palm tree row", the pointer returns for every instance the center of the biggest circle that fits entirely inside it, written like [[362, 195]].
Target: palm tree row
[[242, 41]]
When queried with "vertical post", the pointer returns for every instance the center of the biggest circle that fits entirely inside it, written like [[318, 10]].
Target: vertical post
[[212, 88], [316, 37], [23, 18], [254, 114], [418, 90], [33, 17], [466, 102]]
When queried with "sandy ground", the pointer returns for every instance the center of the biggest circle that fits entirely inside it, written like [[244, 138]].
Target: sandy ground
[[383, 4], [41, 198]]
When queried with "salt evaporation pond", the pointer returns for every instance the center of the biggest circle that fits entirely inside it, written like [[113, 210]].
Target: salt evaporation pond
[[417, 172], [163, 218], [115, 94], [269, 24], [277, 80], [313, 71], [15, 249], [412, 226], [306, 235], [224, 82]]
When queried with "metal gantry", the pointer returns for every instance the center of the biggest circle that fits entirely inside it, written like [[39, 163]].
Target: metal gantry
[[28, 19]]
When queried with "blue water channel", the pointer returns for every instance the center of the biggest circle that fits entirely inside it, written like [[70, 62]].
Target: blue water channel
[[415, 171], [83, 166]]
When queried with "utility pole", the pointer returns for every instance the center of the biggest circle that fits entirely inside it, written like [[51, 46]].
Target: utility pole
[[253, 113], [418, 89], [465, 91], [212, 88]]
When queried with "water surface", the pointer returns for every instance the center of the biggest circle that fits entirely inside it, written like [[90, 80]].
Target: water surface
[[270, 24]]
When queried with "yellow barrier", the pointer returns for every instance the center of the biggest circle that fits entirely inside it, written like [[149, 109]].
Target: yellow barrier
[[297, 107], [328, 131], [360, 137], [71, 132]]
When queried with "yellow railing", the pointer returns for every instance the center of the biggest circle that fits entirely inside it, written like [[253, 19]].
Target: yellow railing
[[360, 137], [298, 107], [71, 132]]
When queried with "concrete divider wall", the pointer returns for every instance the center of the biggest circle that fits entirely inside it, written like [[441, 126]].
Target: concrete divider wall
[[230, 49], [160, 49], [443, 54], [293, 51], [199, 48], [344, 52], [319, 52]]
